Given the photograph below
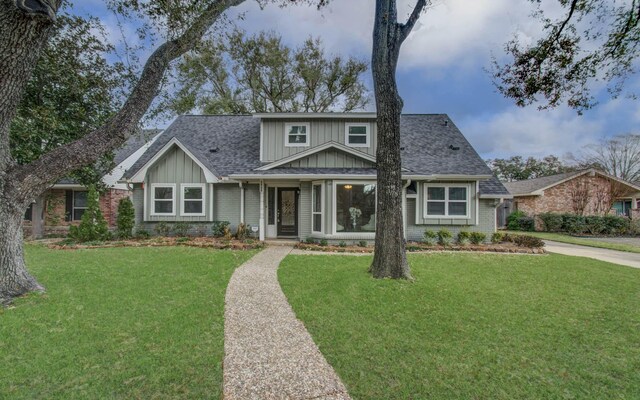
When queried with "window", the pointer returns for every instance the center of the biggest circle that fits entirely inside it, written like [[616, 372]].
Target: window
[[28, 215], [357, 135], [446, 201], [192, 200], [163, 197], [296, 135], [355, 209], [316, 209], [271, 205], [79, 204]]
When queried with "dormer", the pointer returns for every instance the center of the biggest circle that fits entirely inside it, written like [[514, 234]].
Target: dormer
[[283, 135]]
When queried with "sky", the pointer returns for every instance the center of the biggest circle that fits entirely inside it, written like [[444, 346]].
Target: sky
[[443, 68]]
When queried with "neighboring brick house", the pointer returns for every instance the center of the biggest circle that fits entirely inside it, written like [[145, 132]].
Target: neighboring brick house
[[64, 203], [586, 192]]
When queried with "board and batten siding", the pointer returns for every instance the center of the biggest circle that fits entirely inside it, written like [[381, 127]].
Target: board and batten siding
[[330, 159], [176, 167], [321, 131]]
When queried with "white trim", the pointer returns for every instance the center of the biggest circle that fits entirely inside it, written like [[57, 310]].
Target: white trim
[[153, 199], [367, 134], [446, 201], [184, 186], [73, 204], [69, 186], [477, 195], [139, 177], [365, 235], [211, 219], [262, 225], [404, 206], [261, 140], [322, 205], [327, 115], [495, 196], [307, 135], [241, 202], [145, 203], [314, 150]]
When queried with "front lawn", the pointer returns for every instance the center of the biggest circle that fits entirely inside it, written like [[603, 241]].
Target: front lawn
[[564, 238], [118, 323], [474, 326]]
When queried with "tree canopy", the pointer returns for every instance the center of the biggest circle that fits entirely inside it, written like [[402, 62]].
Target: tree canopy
[[259, 73], [593, 41], [518, 168], [618, 156]]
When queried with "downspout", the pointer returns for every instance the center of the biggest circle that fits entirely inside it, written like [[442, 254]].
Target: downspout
[[261, 211], [241, 202], [404, 207]]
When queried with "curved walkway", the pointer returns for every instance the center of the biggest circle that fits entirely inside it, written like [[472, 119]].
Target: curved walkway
[[612, 256], [268, 352]]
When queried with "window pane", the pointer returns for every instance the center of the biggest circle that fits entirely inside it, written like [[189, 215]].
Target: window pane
[[457, 193], [356, 139], [435, 208], [80, 199], [355, 208], [193, 193], [298, 129], [271, 203], [193, 207], [163, 207], [317, 222], [165, 193], [297, 139], [457, 208], [317, 198], [28, 215], [361, 130], [77, 214], [435, 193]]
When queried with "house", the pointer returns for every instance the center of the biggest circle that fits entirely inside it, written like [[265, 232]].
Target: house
[[300, 175], [585, 192], [64, 203]]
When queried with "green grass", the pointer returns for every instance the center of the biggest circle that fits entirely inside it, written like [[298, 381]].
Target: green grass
[[564, 238], [118, 323], [474, 326]]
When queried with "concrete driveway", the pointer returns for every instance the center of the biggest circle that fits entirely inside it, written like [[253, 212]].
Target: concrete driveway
[[612, 256]]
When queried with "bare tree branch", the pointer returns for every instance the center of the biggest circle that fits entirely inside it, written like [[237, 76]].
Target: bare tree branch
[[405, 29]]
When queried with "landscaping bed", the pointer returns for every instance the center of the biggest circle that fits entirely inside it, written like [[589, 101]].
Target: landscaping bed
[[422, 247], [200, 242]]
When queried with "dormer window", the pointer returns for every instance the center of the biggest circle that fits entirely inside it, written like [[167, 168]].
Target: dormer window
[[357, 135], [296, 135]]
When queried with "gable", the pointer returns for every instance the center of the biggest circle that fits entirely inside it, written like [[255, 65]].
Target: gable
[[175, 166], [331, 158]]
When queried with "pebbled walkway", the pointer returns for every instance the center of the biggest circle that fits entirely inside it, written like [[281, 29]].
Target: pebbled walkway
[[268, 352]]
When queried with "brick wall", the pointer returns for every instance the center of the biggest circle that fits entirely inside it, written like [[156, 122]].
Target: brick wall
[[109, 204]]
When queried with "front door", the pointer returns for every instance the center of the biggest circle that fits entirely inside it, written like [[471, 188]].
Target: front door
[[287, 212]]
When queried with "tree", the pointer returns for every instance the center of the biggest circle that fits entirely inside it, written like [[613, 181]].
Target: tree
[[92, 226], [25, 28], [390, 259], [593, 41], [260, 74], [517, 169], [126, 219], [618, 156]]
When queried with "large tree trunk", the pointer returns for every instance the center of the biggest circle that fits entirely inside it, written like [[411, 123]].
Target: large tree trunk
[[389, 260], [24, 29]]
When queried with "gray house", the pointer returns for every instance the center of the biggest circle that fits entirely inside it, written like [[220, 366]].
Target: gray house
[[299, 175]]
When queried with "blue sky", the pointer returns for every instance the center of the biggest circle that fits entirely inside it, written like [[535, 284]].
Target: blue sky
[[443, 68]]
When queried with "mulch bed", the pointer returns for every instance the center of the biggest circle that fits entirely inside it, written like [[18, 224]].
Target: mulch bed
[[201, 242], [421, 247]]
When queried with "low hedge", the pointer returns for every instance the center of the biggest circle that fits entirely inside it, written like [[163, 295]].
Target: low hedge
[[580, 224], [519, 221]]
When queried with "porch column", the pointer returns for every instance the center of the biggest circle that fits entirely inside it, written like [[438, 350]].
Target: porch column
[[241, 203], [404, 207], [262, 225]]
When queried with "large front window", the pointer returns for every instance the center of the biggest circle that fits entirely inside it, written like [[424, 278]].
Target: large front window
[[355, 207], [192, 200], [446, 201], [163, 199]]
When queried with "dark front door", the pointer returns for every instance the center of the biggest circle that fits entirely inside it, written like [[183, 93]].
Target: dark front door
[[287, 212]]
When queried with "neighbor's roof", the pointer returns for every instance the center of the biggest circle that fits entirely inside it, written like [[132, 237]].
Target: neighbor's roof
[[532, 187], [230, 145]]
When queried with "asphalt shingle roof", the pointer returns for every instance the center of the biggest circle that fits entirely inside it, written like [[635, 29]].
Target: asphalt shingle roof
[[230, 145], [531, 185]]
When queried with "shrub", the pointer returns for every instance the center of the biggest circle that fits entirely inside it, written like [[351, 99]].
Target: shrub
[[324, 243], [512, 220], [217, 228], [527, 241], [162, 229], [142, 233], [310, 240], [595, 224], [634, 227], [477, 237], [362, 243], [182, 239], [241, 232], [93, 227], [430, 238], [125, 220], [342, 243], [463, 237], [574, 224], [497, 237], [226, 233], [551, 222], [181, 229], [444, 237], [615, 225]]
